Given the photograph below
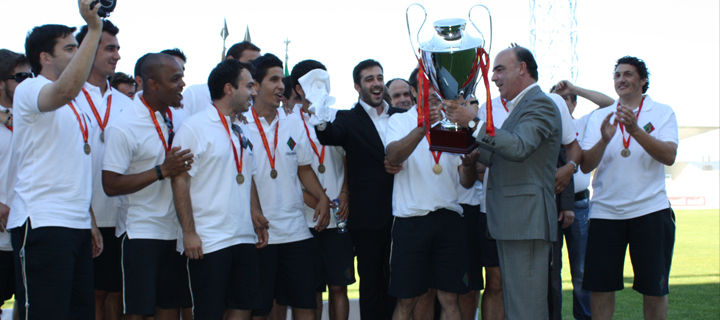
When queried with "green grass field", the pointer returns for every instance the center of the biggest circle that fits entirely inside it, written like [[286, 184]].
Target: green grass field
[[694, 278]]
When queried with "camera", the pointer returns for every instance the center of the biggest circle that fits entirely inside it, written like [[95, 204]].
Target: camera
[[106, 7]]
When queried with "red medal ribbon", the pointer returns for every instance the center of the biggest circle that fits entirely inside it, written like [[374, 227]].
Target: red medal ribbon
[[157, 125], [484, 60], [101, 123], [238, 164], [321, 155], [264, 138], [84, 129], [504, 104], [626, 143]]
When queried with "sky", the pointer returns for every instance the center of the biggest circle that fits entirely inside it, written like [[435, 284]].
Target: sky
[[679, 41]]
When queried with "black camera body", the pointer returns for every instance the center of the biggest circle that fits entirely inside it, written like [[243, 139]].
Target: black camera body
[[106, 7]]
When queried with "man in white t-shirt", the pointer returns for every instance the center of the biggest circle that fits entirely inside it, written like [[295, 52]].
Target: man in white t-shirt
[[629, 205], [138, 158], [197, 97], [283, 157], [54, 234], [103, 104], [218, 235]]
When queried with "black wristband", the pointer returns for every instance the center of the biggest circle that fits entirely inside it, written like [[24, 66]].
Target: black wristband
[[159, 173]]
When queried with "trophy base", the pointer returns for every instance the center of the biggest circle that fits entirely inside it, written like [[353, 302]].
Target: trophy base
[[459, 141]]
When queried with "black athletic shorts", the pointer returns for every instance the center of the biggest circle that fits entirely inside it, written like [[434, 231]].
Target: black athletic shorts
[[154, 275], [471, 217], [334, 264], [434, 247], [651, 239], [7, 275], [107, 267], [488, 248], [227, 278], [288, 268], [53, 267]]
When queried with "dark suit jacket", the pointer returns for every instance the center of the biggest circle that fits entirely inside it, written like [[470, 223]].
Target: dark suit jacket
[[370, 185]]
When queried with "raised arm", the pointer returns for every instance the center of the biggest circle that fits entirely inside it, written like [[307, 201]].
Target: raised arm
[[565, 87]]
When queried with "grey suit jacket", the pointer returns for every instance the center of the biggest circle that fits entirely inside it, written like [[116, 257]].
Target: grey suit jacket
[[522, 157]]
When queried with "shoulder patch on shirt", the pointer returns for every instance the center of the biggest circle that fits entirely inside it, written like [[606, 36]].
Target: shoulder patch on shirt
[[649, 127], [291, 143]]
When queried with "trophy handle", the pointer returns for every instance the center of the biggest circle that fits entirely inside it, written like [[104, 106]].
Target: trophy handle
[[417, 37], [476, 28]]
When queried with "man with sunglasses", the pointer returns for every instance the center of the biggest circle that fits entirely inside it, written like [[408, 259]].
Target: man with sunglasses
[[138, 159]]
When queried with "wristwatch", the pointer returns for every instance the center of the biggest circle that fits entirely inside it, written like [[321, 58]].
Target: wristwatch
[[472, 123], [575, 165]]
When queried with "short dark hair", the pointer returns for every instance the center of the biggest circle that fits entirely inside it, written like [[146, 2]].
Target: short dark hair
[[641, 69], [302, 68], [108, 27], [175, 52], [138, 64], [365, 64], [120, 78], [573, 97], [524, 55], [263, 63], [413, 80], [237, 49], [10, 60], [43, 39], [152, 66], [227, 71], [288, 89]]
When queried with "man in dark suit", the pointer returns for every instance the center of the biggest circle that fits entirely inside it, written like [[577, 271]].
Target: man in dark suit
[[521, 157], [361, 132]]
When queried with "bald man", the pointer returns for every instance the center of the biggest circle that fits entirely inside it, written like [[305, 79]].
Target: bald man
[[138, 159]]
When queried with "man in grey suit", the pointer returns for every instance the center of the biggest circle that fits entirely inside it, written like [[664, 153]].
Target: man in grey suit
[[521, 157]]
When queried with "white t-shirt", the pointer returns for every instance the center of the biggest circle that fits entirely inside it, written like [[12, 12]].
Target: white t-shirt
[[500, 114], [568, 128], [196, 98], [281, 199], [134, 146], [417, 190], [334, 175], [105, 208], [473, 195], [220, 206], [7, 177], [626, 188], [581, 180], [54, 175]]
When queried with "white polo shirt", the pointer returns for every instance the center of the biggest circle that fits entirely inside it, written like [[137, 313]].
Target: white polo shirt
[[7, 177], [568, 128], [417, 190], [134, 146], [220, 206], [581, 180], [54, 175], [626, 188], [281, 198], [334, 175], [196, 98], [105, 208]]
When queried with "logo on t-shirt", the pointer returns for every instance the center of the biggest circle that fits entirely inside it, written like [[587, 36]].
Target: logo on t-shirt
[[291, 143], [649, 127]]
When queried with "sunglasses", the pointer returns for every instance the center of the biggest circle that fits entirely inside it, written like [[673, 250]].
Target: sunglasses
[[171, 133], [238, 132], [20, 76]]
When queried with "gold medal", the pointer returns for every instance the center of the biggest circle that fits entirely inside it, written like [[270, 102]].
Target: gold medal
[[240, 178], [102, 136], [437, 168], [625, 152], [87, 148], [273, 173], [321, 168]]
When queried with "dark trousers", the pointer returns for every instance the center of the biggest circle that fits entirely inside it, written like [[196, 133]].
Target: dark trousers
[[372, 248], [555, 277]]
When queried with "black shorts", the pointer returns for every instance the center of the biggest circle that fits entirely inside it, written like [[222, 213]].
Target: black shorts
[[7, 275], [651, 238], [290, 268], [227, 278], [154, 275], [56, 264], [471, 215], [334, 262], [429, 247], [488, 248], [107, 266]]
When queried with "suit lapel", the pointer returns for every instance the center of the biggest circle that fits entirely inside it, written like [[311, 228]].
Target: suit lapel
[[518, 109], [367, 123]]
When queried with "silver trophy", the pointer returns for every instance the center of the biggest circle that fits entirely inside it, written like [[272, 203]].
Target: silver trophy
[[452, 61]]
